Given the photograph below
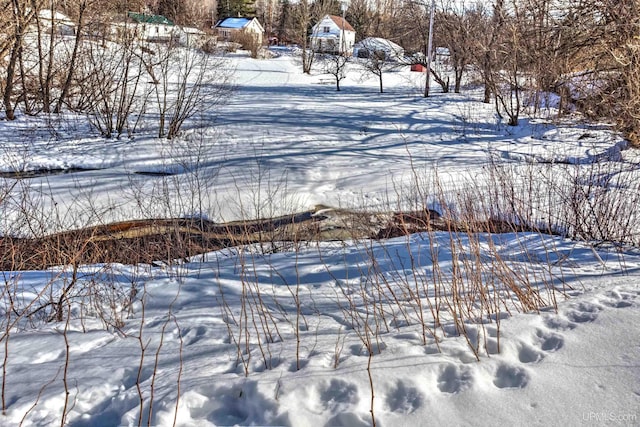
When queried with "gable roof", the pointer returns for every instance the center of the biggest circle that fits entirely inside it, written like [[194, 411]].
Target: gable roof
[[144, 18], [237, 23], [338, 20]]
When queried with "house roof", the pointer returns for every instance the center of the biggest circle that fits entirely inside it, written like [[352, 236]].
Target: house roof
[[377, 43], [144, 18], [339, 21], [237, 23]]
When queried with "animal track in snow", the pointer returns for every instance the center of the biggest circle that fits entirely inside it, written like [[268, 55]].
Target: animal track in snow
[[361, 349], [339, 395], [130, 376], [559, 323], [296, 366], [529, 354], [584, 312], [510, 376], [404, 398], [242, 404], [454, 379], [620, 299], [549, 341]]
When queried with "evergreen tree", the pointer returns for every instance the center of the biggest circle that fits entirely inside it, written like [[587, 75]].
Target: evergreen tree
[[283, 22], [236, 9]]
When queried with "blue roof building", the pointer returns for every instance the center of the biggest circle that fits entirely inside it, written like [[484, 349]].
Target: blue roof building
[[228, 28]]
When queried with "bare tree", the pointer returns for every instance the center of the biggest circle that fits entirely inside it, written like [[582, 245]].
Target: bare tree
[[454, 29], [66, 87], [301, 19], [19, 19], [507, 82], [46, 45], [600, 40], [378, 61], [110, 85], [186, 82], [336, 66], [487, 35]]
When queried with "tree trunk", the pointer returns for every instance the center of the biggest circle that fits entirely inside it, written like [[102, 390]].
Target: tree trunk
[[458, 78], [74, 56], [11, 72]]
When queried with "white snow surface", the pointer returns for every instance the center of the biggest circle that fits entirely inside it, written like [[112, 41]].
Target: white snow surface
[[215, 357]]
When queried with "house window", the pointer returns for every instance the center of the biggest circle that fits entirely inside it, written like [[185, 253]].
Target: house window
[[326, 29]]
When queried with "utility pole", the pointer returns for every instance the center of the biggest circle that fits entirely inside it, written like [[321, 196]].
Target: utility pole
[[429, 47], [344, 5]]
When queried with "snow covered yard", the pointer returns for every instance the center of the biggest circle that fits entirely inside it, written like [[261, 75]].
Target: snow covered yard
[[219, 357], [436, 328]]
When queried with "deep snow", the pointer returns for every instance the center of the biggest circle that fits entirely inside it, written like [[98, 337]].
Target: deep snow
[[286, 141]]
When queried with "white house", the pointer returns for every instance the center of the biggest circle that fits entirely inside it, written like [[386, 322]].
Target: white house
[[155, 28], [230, 29], [381, 48], [333, 34]]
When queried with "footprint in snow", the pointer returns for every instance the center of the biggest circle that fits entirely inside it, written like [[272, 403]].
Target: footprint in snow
[[260, 364], [509, 376], [297, 365], [584, 312], [404, 398], [339, 395], [529, 354], [544, 342], [454, 379], [559, 323], [549, 341], [616, 299], [492, 331], [361, 349], [491, 346], [131, 376]]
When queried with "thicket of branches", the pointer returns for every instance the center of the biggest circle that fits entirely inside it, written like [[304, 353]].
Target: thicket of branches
[[92, 66], [585, 52]]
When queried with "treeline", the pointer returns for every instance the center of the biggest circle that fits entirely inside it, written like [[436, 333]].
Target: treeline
[[584, 52], [86, 57]]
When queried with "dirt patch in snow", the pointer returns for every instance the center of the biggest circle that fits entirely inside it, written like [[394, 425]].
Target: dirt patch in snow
[[164, 240]]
